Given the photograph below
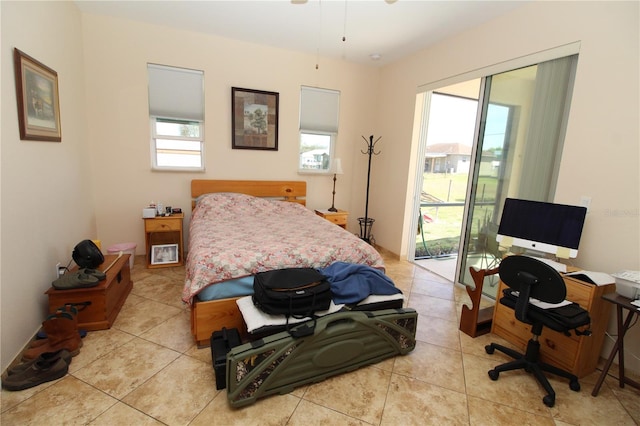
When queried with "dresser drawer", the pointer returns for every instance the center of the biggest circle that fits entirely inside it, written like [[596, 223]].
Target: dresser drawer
[[555, 348], [579, 292], [559, 349], [338, 219], [162, 225]]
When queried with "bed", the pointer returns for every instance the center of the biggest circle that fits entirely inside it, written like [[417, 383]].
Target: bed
[[239, 228]]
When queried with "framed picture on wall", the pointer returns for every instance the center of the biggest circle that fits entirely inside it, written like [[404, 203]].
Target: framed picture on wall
[[164, 253], [38, 100], [254, 119]]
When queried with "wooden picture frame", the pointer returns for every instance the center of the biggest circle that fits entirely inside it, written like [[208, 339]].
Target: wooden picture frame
[[38, 99], [163, 254], [254, 119]]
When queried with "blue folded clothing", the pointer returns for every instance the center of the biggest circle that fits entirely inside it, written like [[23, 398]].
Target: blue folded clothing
[[352, 283]]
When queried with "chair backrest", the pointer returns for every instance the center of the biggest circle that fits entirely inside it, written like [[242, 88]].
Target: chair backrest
[[531, 278]]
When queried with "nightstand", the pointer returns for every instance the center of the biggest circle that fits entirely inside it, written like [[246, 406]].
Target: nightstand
[[164, 231], [339, 218]]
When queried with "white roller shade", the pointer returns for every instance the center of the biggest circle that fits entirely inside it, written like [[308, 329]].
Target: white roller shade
[[176, 92], [319, 109]]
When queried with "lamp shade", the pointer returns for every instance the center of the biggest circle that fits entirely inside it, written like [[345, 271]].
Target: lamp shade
[[337, 167]]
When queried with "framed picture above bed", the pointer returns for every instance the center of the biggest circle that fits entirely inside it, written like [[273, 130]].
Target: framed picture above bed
[[38, 100], [164, 253], [254, 119]]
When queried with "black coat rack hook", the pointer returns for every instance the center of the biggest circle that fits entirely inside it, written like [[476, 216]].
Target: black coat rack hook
[[366, 222], [371, 144]]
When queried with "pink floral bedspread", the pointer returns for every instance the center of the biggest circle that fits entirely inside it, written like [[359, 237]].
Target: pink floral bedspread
[[235, 235]]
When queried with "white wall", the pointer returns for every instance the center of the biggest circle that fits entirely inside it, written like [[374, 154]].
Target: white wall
[[47, 198], [602, 145], [116, 56]]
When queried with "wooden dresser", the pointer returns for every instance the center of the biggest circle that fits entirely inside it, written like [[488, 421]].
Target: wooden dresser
[[577, 354]]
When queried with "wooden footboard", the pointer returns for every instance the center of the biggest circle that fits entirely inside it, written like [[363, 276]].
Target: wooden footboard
[[210, 316]]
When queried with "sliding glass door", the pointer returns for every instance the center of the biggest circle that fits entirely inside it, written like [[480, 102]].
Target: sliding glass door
[[520, 134], [514, 152]]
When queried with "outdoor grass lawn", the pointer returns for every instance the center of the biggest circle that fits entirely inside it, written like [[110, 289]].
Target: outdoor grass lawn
[[443, 234]]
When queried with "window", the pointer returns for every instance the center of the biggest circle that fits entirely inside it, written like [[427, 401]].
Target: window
[[319, 110], [176, 113]]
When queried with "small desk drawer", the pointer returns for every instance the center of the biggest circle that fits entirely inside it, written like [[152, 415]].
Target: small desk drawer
[[579, 292], [162, 225]]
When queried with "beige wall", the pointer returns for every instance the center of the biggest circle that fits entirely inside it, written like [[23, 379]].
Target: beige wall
[[95, 183], [602, 145], [47, 198], [116, 56]]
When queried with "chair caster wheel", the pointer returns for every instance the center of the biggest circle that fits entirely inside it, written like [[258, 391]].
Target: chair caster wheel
[[549, 400], [493, 375], [489, 349], [574, 385]]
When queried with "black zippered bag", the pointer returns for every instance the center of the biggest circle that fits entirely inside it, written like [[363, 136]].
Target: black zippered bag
[[222, 341], [567, 317], [293, 292]]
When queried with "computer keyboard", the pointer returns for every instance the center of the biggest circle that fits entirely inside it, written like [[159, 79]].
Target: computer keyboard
[[560, 267]]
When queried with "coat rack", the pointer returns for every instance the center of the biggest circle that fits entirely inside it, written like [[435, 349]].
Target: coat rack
[[366, 222]]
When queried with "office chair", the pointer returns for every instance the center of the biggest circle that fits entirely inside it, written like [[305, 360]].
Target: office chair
[[532, 278]]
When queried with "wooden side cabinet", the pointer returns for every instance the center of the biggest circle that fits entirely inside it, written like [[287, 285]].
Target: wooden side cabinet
[[104, 301], [576, 354], [163, 230], [339, 218]]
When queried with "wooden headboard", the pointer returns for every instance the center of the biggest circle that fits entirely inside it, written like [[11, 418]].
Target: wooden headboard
[[292, 191]]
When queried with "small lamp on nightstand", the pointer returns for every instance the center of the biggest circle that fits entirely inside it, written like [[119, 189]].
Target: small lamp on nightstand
[[336, 168]]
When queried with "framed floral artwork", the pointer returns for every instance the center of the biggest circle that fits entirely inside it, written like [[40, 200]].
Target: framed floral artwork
[[38, 99]]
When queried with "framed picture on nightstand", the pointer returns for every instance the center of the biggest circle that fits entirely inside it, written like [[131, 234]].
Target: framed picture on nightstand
[[164, 253]]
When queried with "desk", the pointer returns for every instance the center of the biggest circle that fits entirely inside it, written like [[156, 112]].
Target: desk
[[618, 348], [576, 354]]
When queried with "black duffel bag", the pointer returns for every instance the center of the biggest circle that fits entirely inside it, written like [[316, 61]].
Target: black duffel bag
[[293, 292]]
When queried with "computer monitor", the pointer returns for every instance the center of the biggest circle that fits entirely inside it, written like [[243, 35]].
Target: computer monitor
[[540, 226]]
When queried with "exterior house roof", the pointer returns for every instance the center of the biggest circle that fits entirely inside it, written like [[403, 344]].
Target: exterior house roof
[[442, 149]]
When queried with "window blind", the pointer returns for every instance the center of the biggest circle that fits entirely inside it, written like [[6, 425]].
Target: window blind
[[319, 109], [176, 92]]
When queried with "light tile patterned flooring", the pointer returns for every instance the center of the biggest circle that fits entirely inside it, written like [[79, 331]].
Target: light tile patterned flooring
[[146, 370]]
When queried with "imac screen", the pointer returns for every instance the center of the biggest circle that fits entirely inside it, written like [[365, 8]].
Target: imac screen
[[547, 227]]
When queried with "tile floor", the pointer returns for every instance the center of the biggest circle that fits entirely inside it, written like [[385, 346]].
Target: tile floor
[[146, 370]]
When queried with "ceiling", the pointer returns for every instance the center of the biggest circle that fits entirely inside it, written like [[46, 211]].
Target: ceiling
[[391, 29]]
